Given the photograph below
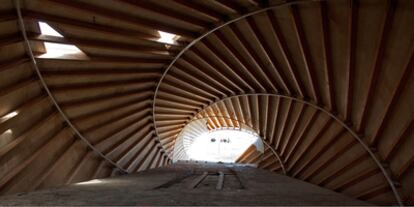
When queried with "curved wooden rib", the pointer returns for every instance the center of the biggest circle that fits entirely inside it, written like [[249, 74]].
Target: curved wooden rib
[[200, 38], [352, 58], [373, 156], [234, 49], [29, 50]]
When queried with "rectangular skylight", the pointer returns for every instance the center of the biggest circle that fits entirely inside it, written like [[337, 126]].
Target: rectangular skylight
[[58, 50], [166, 37], [48, 30], [8, 116]]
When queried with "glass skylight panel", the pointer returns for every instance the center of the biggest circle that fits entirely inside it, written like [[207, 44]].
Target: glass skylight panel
[[8, 116], [58, 50], [45, 29], [55, 50], [166, 37]]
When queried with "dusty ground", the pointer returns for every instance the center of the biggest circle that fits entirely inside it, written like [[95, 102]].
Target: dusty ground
[[177, 185]]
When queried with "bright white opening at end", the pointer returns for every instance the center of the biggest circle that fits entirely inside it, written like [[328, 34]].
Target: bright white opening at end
[[166, 37], [222, 145], [48, 30]]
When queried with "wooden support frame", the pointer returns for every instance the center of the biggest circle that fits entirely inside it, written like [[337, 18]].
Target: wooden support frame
[[202, 37], [55, 103], [371, 154]]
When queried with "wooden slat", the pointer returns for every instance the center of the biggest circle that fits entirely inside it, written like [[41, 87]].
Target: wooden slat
[[148, 23], [159, 50], [37, 16], [303, 45], [150, 6], [10, 39], [286, 54], [352, 29], [327, 53], [202, 9], [8, 15], [377, 64]]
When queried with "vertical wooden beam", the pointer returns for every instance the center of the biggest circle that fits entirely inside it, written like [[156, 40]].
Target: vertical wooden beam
[[297, 25], [341, 151], [352, 29], [377, 64], [395, 97], [246, 69], [402, 136], [313, 140], [288, 137], [265, 48], [285, 52], [284, 123], [327, 53], [256, 64], [305, 130], [276, 119], [320, 151]]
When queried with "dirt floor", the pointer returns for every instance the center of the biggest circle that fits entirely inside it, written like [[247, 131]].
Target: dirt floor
[[187, 184]]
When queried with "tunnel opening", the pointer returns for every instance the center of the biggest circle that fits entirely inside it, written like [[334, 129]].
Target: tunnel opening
[[222, 145], [200, 142]]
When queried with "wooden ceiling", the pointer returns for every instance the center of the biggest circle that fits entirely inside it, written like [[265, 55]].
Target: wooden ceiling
[[327, 84]]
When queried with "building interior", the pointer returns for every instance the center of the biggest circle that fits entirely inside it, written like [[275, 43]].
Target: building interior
[[207, 102]]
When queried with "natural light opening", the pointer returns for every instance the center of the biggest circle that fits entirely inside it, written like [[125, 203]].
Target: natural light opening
[[224, 145], [58, 50], [166, 37], [8, 116], [45, 29]]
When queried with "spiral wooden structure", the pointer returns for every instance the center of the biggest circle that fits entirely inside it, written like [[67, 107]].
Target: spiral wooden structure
[[327, 84]]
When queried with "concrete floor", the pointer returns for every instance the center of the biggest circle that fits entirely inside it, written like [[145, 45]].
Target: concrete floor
[[177, 185]]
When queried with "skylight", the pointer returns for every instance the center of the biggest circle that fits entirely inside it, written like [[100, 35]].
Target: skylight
[[225, 145], [166, 37], [45, 29], [58, 50], [8, 116]]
